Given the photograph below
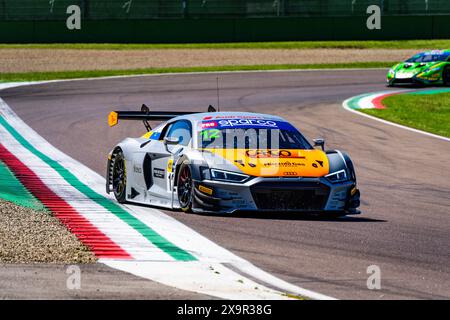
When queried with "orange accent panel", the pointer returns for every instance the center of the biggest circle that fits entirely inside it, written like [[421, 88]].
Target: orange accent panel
[[277, 163]]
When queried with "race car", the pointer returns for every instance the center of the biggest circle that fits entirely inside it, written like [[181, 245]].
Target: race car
[[426, 68], [223, 162]]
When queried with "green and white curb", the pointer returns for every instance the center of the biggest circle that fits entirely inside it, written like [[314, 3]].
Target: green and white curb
[[161, 248]]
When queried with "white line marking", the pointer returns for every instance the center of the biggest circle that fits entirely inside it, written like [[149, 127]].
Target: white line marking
[[18, 84], [207, 278]]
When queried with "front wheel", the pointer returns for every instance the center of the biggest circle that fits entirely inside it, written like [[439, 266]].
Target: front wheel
[[185, 187], [446, 76]]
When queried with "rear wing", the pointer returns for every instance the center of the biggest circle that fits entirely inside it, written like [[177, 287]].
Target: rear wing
[[146, 115]]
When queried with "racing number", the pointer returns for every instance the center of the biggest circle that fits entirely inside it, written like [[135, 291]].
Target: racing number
[[209, 135]]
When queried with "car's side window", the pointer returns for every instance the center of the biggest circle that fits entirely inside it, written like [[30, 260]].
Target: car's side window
[[180, 129]]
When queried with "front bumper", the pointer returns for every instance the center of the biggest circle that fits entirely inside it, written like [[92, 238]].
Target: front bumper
[[413, 81], [312, 195]]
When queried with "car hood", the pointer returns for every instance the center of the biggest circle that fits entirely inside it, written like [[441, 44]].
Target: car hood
[[270, 163], [413, 68]]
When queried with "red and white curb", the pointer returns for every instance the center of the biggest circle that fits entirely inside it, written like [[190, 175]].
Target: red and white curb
[[374, 101], [371, 100], [140, 240]]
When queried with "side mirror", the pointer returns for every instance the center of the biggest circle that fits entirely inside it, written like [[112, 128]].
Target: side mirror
[[319, 143], [171, 140]]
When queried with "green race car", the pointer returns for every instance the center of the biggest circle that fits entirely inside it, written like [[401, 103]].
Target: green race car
[[426, 68]]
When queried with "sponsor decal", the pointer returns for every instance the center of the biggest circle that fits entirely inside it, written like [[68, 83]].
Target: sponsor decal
[[206, 190], [152, 135], [170, 165], [273, 154], [137, 169], [277, 163], [284, 164], [246, 123], [233, 117], [240, 162], [209, 124], [155, 135], [159, 173], [405, 75]]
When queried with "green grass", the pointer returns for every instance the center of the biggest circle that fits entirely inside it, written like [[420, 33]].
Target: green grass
[[427, 112], [400, 44], [40, 76]]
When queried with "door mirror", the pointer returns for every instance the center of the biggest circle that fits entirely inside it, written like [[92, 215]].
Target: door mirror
[[319, 143], [171, 140]]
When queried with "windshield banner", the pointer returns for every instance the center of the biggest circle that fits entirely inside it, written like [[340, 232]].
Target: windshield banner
[[245, 124]]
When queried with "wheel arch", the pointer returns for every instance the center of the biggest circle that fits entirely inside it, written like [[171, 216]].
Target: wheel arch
[[195, 168], [339, 160], [121, 147]]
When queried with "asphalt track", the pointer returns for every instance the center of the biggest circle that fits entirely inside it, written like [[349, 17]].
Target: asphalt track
[[404, 176]]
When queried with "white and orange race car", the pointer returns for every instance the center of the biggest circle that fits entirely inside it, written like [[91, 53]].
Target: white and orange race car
[[222, 162]]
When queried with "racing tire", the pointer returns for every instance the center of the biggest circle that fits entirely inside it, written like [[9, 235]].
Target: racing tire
[[185, 187], [446, 76], [119, 176]]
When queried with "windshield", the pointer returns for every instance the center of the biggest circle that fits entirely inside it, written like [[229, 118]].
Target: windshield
[[429, 57], [251, 138]]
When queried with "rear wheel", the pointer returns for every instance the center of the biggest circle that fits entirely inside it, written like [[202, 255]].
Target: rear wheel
[[185, 187], [446, 76], [119, 176]]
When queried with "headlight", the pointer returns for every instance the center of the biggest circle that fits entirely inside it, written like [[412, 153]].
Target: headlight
[[221, 175], [337, 176], [391, 74]]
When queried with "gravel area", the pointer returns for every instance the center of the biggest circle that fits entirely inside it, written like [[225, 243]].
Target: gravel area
[[41, 60], [28, 236]]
